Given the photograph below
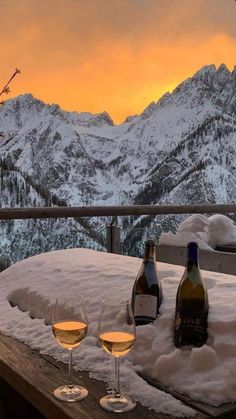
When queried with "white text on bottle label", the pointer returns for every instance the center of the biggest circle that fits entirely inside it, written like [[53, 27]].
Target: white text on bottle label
[[145, 305]]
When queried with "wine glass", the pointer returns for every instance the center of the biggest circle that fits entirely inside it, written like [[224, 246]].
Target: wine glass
[[117, 337], [69, 326]]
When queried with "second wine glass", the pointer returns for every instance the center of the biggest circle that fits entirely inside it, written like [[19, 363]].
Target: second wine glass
[[117, 337], [69, 326]]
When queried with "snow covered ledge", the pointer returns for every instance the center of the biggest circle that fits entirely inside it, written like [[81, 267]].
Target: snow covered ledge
[[215, 261], [210, 233]]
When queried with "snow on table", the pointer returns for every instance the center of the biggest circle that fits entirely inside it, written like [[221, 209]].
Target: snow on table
[[207, 374]]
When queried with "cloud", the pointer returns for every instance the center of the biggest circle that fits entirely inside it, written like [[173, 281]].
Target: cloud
[[117, 55]]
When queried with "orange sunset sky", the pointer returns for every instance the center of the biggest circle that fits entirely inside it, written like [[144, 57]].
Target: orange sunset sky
[[113, 55]]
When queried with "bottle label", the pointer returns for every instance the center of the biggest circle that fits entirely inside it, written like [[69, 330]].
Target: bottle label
[[196, 323], [145, 305], [190, 329]]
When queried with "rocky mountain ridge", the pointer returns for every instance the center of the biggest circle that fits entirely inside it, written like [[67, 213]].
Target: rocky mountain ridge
[[179, 150]]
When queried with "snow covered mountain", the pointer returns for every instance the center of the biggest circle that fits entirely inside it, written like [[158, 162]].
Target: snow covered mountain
[[181, 149]]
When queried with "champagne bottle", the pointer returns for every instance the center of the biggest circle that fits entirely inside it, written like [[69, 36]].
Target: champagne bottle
[[147, 290], [191, 304]]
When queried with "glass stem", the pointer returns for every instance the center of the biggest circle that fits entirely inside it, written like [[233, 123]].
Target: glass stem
[[117, 377], [70, 384]]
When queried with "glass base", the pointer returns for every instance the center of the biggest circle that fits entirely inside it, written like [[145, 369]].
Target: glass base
[[70, 394], [117, 404]]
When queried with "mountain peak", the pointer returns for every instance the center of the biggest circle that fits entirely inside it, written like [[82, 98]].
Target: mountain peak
[[223, 69], [207, 70], [103, 118], [27, 98], [27, 102], [223, 75], [210, 71]]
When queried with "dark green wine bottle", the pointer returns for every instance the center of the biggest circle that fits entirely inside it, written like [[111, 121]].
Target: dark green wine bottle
[[147, 290], [190, 328]]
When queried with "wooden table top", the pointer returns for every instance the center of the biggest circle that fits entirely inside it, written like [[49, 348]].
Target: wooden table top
[[35, 377]]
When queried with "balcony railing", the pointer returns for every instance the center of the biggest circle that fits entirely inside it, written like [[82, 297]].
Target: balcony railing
[[100, 211], [223, 262]]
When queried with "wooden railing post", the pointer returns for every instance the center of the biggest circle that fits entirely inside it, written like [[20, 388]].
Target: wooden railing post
[[113, 238]]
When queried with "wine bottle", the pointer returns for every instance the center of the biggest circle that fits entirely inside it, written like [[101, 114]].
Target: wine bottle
[[147, 290], [190, 328]]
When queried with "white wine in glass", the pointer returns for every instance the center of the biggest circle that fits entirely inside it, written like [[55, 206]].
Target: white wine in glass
[[117, 337], [70, 327]]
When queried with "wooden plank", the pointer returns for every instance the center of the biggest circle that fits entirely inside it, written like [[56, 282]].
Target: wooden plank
[[102, 211], [214, 261], [227, 410], [35, 378], [226, 248], [14, 406]]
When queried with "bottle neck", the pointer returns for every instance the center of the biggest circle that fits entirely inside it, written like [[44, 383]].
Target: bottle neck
[[192, 256], [149, 253]]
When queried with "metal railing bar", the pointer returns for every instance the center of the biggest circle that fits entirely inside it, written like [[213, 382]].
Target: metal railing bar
[[104, 211]]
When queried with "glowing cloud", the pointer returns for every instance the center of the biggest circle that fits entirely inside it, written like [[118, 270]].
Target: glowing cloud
[[113, 55]]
